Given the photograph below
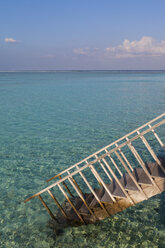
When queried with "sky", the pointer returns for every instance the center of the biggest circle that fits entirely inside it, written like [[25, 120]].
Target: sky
[[82, 35]]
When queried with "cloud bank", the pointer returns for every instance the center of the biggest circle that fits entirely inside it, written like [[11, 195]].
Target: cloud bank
[[10, 40], [85, 51], [146, 46]]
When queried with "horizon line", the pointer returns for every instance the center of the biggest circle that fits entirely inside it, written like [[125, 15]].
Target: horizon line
[[82, 70]]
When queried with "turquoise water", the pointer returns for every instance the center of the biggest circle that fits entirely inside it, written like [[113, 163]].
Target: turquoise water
[[50, 120]]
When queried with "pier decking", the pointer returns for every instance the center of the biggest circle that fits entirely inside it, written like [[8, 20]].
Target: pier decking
[[112, 179]]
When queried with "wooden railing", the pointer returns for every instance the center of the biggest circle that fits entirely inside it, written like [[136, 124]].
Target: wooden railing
[[111, 160]]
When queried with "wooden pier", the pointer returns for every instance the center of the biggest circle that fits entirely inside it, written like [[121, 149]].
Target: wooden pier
[[118, 176]]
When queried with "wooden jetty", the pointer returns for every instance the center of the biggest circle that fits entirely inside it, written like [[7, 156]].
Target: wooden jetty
[[123, 176]]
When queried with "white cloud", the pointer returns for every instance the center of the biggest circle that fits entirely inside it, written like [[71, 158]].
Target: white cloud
[[10, 40], [85, 51], [145, 46]]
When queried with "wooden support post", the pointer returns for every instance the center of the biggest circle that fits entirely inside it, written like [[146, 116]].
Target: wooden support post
[[122, 154], [157, 137], [139, 159], [47, 208], [66, 187], [93, 192], [97, 176], [118, 182], [121, 174], [82, 198], [76, 184], [108, 175], [58, 204], [130, 174], [81, 219], [151, 151]]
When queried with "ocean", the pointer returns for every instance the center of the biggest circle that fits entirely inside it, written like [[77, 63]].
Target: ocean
[[51, 120]]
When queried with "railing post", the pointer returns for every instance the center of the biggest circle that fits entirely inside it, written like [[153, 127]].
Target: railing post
[[58, 204], [66, 187], [130, 166], [118, 182], [74, 208], [157, 137], [108, 175], [47, 208], [121, 174], [130, 174], [93, 192], [151, 151], [139, 159], [82, 198], [97, 176]]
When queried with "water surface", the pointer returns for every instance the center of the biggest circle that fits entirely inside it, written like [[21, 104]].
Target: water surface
[[50, 120]]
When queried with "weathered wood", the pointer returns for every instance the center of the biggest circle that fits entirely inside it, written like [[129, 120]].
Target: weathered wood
[[156, 136], [122, 154], [117, 180], [79, 192], [141, 176], [151, 128], [141, 162], [128, 171], [93, 192], [60, 177], [116, 190], [133, 186], [81, 219], [117, 168], [97, 176], [103, 167], [47, 208], [151, 151], [155, 170], [100, 192], [58, 204], [128, 183]]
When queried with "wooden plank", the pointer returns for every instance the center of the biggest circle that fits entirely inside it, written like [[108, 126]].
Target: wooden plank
[[88, 198], [141, 162], [116, 190], [74, 208], [122, 154], [151, 151], [155, 170], [57, 203], [103, 167], [93, 192], [128, 183], [151, 128], [99, 179], [117, 180], [100, 192], [60, 177], [141, 176], [106, 199], [80, 194], [157, 137], [120, 173], [101, 157], [47, 208], [128, 171]]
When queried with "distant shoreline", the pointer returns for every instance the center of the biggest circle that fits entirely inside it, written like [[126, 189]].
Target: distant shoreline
[[84, 71]]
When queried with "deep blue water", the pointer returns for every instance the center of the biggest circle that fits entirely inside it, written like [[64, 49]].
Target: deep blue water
[[50, 120]]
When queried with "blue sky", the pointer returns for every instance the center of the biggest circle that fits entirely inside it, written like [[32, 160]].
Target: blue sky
[[82, 34]]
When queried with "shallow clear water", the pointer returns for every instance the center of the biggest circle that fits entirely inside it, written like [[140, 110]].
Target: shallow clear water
[[50, 120]]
